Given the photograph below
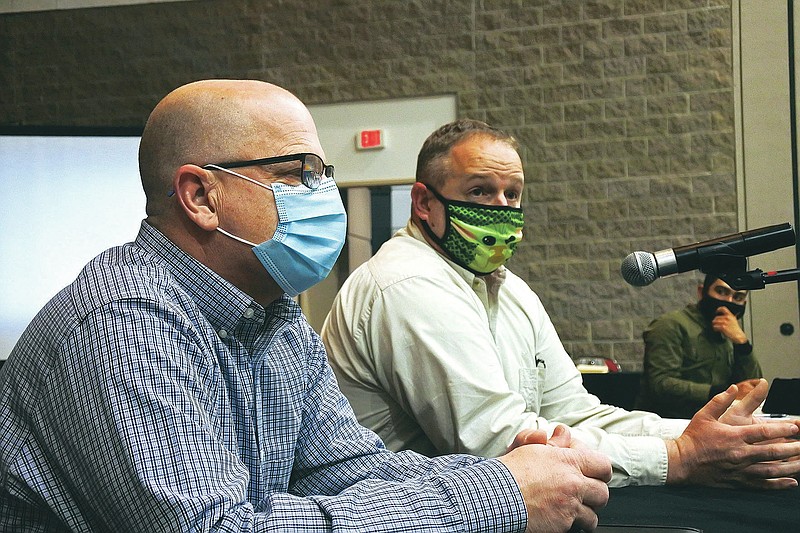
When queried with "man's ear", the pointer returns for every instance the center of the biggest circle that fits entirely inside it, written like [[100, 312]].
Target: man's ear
[[421, 201], [700, 292], [192, 185]]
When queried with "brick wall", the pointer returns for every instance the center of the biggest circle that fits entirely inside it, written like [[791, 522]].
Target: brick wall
[[624, 109]]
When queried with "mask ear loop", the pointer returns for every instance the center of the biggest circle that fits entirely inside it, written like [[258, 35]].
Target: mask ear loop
[[447, 228], [229, 171], [235, 238], [251, 180]]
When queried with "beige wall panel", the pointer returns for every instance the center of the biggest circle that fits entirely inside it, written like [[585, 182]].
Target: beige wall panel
[[765, 175]]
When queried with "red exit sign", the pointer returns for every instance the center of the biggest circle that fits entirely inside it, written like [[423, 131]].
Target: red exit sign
[[369, 139]]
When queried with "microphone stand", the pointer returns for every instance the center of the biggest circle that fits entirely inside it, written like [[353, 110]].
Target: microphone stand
[[732, 269], [758, 279]]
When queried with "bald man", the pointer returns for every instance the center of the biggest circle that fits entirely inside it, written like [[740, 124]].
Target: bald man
[[176, 386]]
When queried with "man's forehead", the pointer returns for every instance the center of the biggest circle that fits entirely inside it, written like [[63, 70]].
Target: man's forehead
[[288, 137], [721, 283], [476, 144], [481, 155]]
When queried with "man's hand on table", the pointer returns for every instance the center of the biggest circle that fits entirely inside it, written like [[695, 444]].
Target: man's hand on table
[[562, 482], [724, 447]]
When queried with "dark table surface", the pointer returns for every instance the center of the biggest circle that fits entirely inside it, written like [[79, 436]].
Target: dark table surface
[[708, 509]]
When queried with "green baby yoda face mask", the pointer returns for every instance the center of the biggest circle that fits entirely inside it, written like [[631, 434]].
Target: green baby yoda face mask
[[478, 237]]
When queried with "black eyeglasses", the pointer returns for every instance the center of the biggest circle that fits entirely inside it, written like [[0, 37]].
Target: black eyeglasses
[[311, 171]]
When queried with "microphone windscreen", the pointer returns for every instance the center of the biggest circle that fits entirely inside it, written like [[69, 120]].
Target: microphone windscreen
[[639, 269]]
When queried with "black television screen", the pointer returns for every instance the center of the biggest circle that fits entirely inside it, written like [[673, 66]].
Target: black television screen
[[66, 197]]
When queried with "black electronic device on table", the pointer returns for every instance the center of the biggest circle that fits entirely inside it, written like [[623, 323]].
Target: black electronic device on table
[[783, 397]]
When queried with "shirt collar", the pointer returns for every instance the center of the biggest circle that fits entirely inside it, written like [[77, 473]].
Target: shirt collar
[[221, 302]]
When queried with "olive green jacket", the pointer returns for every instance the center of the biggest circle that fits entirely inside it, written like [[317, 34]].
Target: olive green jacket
[[685, 363]]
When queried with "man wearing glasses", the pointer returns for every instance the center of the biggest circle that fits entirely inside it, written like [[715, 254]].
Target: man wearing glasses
[[176, 385], [696, 352]]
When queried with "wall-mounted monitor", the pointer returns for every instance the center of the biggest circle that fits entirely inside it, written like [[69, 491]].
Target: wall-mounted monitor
[[66, 194]]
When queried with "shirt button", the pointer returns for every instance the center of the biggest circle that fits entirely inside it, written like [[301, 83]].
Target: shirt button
[[248, 313], [223, 334]]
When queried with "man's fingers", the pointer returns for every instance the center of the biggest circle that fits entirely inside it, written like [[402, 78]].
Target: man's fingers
[[783, 451], [561, 437], [586, 520], [753, 399], [762, 433], [774, 469], [717, 406], [762, 483], [596, 494], [529, 436], [777, 484], [595, 465]]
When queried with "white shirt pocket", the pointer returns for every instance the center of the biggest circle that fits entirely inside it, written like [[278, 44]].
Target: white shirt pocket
[[531, 386]]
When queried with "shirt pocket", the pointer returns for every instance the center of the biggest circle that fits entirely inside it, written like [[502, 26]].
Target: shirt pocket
[[531, 387]]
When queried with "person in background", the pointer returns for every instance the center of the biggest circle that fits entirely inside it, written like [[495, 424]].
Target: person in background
[[694, 353], [440, 348], [176, 386]]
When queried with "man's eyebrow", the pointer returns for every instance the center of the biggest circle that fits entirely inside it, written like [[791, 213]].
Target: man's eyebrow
[[479, 176], [488, 176]]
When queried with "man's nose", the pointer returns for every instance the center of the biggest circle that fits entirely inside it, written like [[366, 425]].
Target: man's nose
[[500, 199]]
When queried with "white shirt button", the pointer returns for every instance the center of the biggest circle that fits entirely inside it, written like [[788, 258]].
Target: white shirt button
[[248, 313], [223, 334]]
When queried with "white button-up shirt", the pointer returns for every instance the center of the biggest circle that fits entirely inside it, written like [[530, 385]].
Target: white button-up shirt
[[436, 359]]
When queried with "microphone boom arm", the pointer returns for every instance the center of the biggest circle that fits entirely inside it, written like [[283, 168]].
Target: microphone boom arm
[[758, 279]]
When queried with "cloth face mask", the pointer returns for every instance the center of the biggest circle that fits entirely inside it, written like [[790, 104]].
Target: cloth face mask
[[478, 237], [708, 307], [312, 225]]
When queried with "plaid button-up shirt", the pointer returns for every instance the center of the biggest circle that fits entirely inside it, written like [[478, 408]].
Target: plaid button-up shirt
[[153, 395]]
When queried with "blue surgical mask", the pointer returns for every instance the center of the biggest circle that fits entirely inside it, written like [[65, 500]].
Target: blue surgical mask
[[312, 225]]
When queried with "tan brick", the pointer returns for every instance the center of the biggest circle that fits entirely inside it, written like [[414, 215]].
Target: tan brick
[[611, 330], [624, 109]]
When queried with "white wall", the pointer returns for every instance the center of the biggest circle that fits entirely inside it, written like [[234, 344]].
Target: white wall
[[406, 122], [764, 171], [64, 200]]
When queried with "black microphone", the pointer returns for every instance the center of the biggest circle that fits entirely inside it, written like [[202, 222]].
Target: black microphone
[[643, 268]]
